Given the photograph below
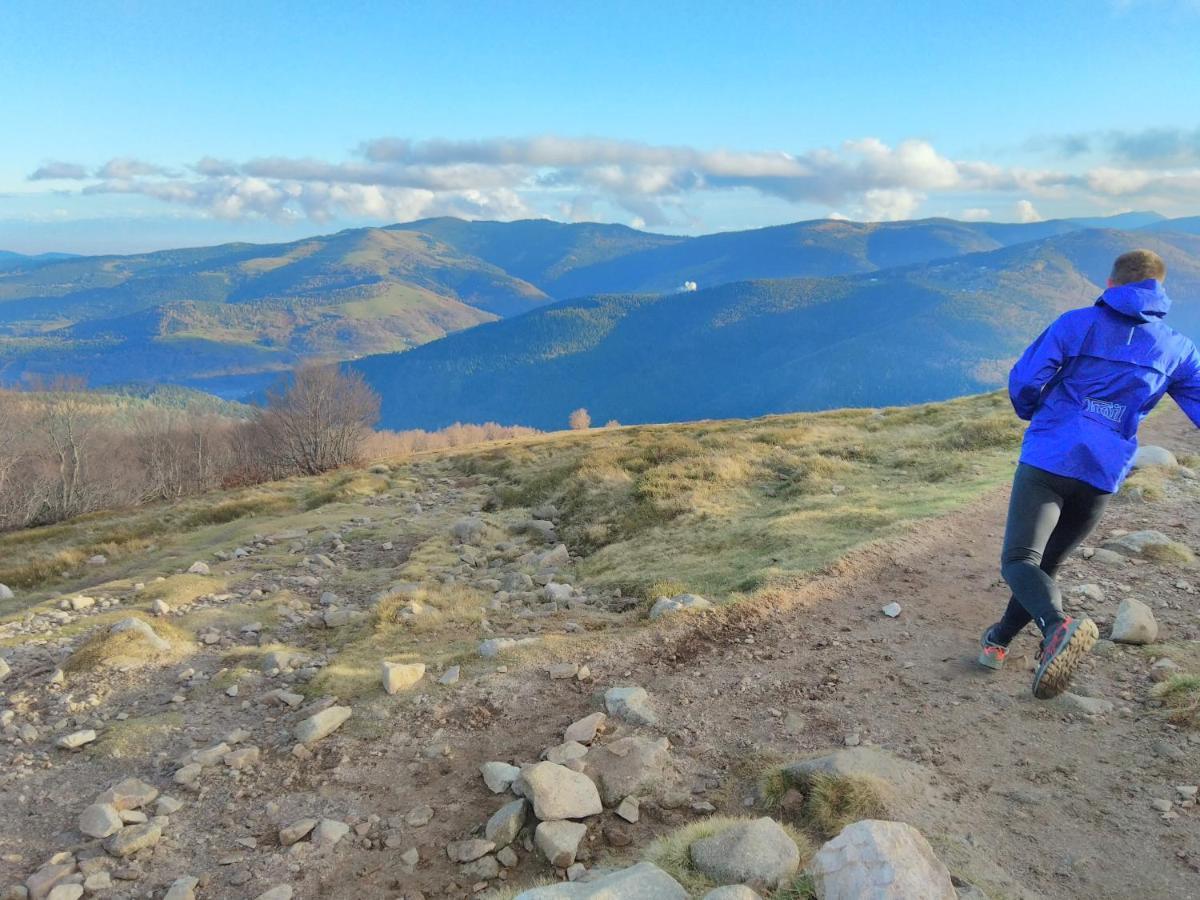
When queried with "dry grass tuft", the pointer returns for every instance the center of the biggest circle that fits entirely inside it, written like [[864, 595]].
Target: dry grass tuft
[[670, 852], [128, 649], [832, 802], [1173, 554], [1181, 694]]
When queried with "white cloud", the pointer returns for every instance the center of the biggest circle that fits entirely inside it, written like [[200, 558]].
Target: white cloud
[[1027, 212], [975, 214], [651, 185]]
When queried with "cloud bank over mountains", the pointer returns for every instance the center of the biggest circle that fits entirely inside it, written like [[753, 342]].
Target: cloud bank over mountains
[[395, 179]]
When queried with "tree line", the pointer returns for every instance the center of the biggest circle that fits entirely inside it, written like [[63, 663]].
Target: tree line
[[66, 451]]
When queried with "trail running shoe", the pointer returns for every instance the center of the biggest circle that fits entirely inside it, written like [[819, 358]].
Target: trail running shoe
[[1061, 654], [991, 654]]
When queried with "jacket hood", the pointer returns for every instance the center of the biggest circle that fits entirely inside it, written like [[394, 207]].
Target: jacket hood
[[1141, 300]]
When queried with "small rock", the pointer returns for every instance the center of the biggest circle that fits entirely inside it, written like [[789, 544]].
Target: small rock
[[289, 834], [585, 730], [76, 739], [499, 776], [100, 820], [183, 888], [329, 831], [873, 858], [756, 852], [506, 823], [133, 838], [560, 793], [450, 676], [682, 603], [559, 841], [892, 610], [629, 809], [645, 881], [419, 816], [199, 568], [632, 704], [469, 850], [1150, 455], [279, 892], [1135, 623], [322, 724], [401, 676], [733, 892], [1088, 706]]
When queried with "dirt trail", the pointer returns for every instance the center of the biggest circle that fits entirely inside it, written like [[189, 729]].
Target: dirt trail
[[1030, 800]]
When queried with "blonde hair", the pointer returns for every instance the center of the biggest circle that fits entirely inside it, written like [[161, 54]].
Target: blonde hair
[[1138, 265]]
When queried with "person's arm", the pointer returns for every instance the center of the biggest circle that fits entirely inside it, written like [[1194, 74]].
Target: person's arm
[[1184, 387], [1037, 365]]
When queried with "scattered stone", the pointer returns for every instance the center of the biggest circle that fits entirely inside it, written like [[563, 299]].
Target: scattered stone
[[66, 892], [419, 816], [329, 831], [242, 758], [160, 607], [167, 806], [6, 592], [755, 852], [1163, 669], [499, 776], [100, 820], [585, 730], [629, 809], [682, 603], [132, 793], [289, 834], [468, 531], [507, 857], [564, 753], [873, 858], [1135, 623], [199, 568], [506, 823], [1108, 557], [450, 676], [632, 704], [1091, 592], [76, 739], [493, 647], [133, 838], [279, 892], [97, 882], [560, 793], [143, 628], [892, 610], [183, 888], [468, 850], [645, 881], [322, 724], [4, 668], [401, 676], [630, 765], [559, 841], [1087, 706], [45, 879], [1161, 805]]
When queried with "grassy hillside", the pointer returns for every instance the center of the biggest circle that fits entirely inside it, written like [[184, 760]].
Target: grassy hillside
[[716, 507], [901, 336]]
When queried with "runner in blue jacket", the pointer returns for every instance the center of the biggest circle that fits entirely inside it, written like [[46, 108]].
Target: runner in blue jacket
[[1084, 386]]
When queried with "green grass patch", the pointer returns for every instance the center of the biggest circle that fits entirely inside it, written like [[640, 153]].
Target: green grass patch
[[1181, 695], [128, 649]]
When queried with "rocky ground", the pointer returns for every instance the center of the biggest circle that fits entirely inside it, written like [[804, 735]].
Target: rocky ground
[[258, 730]]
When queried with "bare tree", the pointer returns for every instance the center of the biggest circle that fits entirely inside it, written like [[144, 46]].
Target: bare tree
[[580, 420], [320, 420]]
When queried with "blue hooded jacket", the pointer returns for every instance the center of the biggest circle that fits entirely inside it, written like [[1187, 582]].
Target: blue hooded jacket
[[1088, 381]]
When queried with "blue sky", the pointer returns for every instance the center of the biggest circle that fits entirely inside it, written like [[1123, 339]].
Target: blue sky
[[135, 125]]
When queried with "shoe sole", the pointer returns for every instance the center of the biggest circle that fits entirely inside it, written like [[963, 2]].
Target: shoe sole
[[990, 662], [1057, 675]]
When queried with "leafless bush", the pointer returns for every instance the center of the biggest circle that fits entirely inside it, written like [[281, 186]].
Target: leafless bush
[[580, 420], [392, 444]]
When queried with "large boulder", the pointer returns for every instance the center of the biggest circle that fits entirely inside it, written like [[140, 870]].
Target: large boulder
[[631, 704], [630, 765], [757, 852], [645, 881], [557, 792], [1139, 543], [1150, 455], [877, 860], [1135, 623]]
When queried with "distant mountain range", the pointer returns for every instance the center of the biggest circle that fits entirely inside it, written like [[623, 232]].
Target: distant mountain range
[[898, 336], [496, 301]]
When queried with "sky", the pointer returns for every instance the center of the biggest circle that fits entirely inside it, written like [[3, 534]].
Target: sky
[[131, 126]]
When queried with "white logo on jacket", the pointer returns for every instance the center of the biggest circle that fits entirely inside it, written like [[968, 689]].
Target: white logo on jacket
[[1114, 412]]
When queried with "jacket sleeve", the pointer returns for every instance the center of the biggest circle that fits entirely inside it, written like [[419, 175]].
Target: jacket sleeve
[[1037, 365], [1184, 386]]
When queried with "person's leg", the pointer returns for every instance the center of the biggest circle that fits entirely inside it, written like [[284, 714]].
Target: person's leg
[[1082, 508], [1033, 513]]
